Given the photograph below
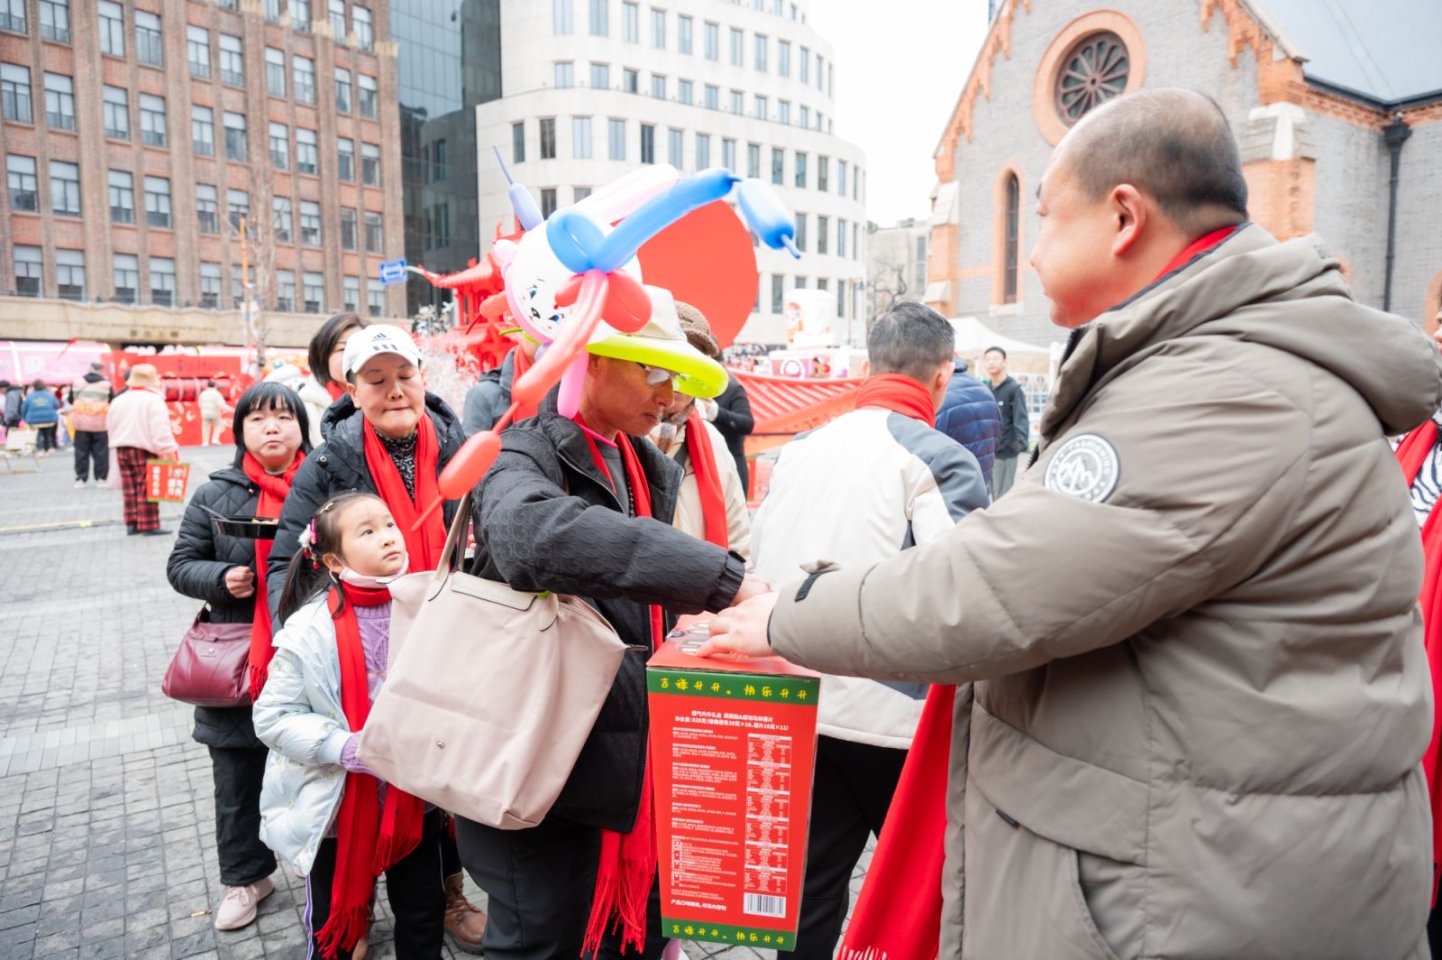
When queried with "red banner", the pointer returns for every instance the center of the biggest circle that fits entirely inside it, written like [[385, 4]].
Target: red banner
[[166, 480]]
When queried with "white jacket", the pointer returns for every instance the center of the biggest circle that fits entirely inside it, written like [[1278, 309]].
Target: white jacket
[[299, 716], [856, 491], [317, 401], [689, 517]]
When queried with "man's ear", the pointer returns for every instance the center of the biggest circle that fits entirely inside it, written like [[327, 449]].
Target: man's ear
[[1130, 211]]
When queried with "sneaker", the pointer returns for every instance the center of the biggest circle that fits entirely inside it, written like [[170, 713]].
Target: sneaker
[[79, 484], [158, 532], [238, 907]]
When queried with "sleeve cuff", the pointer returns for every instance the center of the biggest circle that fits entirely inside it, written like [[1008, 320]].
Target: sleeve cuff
[[729, 584], [333, 746]]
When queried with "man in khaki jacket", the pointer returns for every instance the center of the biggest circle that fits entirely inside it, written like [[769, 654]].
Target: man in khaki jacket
[[1201, 693]]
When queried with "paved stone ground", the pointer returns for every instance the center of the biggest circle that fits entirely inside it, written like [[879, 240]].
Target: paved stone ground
[[107, 841]]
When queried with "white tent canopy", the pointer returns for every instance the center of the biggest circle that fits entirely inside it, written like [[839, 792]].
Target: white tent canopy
[[973, 337]]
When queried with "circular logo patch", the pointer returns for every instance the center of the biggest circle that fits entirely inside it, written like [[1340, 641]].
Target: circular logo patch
[[1086, 467]]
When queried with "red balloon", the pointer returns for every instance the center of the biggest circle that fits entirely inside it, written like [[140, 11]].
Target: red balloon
[[567, 292], [469, 465], [494, 306], [628, 305]]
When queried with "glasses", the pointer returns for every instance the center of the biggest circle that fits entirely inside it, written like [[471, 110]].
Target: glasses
[[655, 376]]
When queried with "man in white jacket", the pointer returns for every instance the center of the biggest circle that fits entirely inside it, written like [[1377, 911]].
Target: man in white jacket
[[866, 486]]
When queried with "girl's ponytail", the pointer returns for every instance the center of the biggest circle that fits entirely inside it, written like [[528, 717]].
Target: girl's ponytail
[[303, 580]]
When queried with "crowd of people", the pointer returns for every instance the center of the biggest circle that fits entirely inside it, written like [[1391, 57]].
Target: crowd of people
[[1162, 689]]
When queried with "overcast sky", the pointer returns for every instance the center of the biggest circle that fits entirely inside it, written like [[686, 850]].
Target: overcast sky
[[896, 83]]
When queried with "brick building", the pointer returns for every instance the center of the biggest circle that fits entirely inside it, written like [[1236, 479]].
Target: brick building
[[137, 135], [1323, 99]]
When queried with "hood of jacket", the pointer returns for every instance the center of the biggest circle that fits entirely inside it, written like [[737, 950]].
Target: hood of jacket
[[1290, 296]]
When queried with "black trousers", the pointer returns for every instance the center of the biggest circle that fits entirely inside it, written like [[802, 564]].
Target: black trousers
[[413, 886], [45, 437], [92, 447], [854, 786], [540, 882], [237, 772]]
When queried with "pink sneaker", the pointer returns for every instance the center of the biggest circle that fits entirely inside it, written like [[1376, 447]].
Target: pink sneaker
[[238, 907]]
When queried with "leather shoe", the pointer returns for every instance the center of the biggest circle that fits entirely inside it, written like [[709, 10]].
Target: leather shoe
[[464, 922]]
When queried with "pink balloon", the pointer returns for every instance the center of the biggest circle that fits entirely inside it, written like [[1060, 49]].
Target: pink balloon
[[569, 400], [546, 372]]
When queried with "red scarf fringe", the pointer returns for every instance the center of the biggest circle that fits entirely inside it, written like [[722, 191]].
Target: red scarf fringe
[[424, 541], [708, 481], [901, 394], [273, 491]]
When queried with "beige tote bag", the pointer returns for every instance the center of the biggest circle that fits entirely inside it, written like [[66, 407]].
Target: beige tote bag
[[490, 694]]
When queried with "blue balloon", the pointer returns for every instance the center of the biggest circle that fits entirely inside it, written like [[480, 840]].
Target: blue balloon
[[767, 218], [574, 238], [660, 212], [528, 215]]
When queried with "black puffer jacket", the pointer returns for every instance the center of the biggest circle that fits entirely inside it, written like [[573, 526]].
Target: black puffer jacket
[[339, 465], [197, 567], [546, 519]]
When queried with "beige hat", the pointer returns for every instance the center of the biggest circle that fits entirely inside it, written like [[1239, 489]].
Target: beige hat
[[697, 330], [142, 375]]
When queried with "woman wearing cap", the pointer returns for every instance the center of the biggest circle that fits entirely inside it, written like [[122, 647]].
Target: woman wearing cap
[[326, 359], [572, 506], [139, 428], [390, 437]]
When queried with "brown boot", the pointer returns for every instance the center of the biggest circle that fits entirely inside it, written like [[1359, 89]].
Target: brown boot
[[464, 922]]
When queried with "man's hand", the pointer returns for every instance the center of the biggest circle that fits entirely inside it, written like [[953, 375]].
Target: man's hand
[[240, 581], [741, 630], [750, 587]]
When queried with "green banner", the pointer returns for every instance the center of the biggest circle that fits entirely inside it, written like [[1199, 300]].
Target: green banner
[[734, 686], [721, 933]]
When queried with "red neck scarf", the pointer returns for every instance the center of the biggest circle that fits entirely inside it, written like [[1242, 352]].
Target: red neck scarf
[[520, 363], [899, 911], [628, 860], [901, 394], [369, 838], [1196, 247], [708, 481], [335, 390], [1413, 454], [273, 491], [424, 541]]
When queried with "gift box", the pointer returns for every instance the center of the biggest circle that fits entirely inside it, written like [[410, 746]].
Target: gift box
[[733, 751]]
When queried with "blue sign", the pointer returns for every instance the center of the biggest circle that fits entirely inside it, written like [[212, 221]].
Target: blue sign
[[393, 271]]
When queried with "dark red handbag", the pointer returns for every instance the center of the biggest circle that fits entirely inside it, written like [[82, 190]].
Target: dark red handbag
[[211, 668]]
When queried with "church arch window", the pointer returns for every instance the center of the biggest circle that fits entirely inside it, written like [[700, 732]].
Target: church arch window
[[1011, 243]]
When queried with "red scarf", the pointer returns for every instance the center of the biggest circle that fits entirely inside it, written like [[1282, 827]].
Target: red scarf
[[335, 390], [1412, 454], [1196, 247], [901, 394], [273, 491], [628, 860], [369, 838], [899, 912], [520, 363], [708, 481], [424, 541]]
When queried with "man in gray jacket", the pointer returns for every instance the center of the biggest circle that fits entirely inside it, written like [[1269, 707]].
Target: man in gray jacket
[[1201, 691]]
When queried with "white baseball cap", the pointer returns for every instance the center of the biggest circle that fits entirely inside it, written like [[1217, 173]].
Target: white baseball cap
[[376, 339]]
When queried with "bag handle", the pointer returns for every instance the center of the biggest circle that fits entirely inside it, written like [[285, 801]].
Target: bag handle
[[463, 514]]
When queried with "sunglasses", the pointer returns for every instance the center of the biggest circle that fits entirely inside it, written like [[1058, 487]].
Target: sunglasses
[[655, 376]]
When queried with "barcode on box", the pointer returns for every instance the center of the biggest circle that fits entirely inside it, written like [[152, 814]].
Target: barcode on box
[[760, 905]]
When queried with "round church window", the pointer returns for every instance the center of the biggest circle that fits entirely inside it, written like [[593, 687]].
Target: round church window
[[1094, 71]]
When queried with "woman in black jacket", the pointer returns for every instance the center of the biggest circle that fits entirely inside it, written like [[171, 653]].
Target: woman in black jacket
[[270, 436]]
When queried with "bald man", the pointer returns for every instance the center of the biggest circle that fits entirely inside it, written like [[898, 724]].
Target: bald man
[[1200, 688]]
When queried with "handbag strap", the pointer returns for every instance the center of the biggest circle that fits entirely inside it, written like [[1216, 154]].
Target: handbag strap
[[453, 535]]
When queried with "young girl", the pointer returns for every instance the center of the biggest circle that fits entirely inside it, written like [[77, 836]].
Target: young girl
[[321, 807]]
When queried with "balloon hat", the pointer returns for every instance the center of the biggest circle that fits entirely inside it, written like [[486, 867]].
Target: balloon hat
[[662, 343]]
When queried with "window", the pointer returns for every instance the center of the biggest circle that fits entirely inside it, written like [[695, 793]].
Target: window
[[197, 51], [24, 186], [728, 154], [820, 73], [840, 237], [841, 177], [561, 17], [59, 101], [703, 151], [616, 139], [841, 298], [12, 16], [237, 205], [307, 153], [778, 292], [630, 80], [778, 164], [581, 138], [337, 19], [285, 290], [127, 277], [350, 294], [70, 274], [713, 97], [805, 119], [548, 201], [157, 201], [202, 130], [369, 96], [313, 290], [783, 57], [348, 223], [55, 20], [342, 90], [821, 283], [683, 91], [823, 174], [300, 14], [600, 18], [375, 235], [753, 160], [149, 47], [280, 215], [762, 42], [375, 297], [272, 11], [440, 168], [303, 76], [648, 143], [800, 239], [162, 281], [712, 33], [235, 148], [600, 76], [345, 158], [370, 164], [207, 208], [563, 75], [783, 111], [274, 72], [800, 180], [28, 272], [309, 223], [441, 224], [683, 33], [805, 65], [823, 233], [365, 33], [111, 20], [280, 146], [658, 86], [232, 61], [674, 145], [210, 285], [630, 23], [763, 108], [738, 45], [548, 138], [658, 28], [64, 188], [1013, 229]]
